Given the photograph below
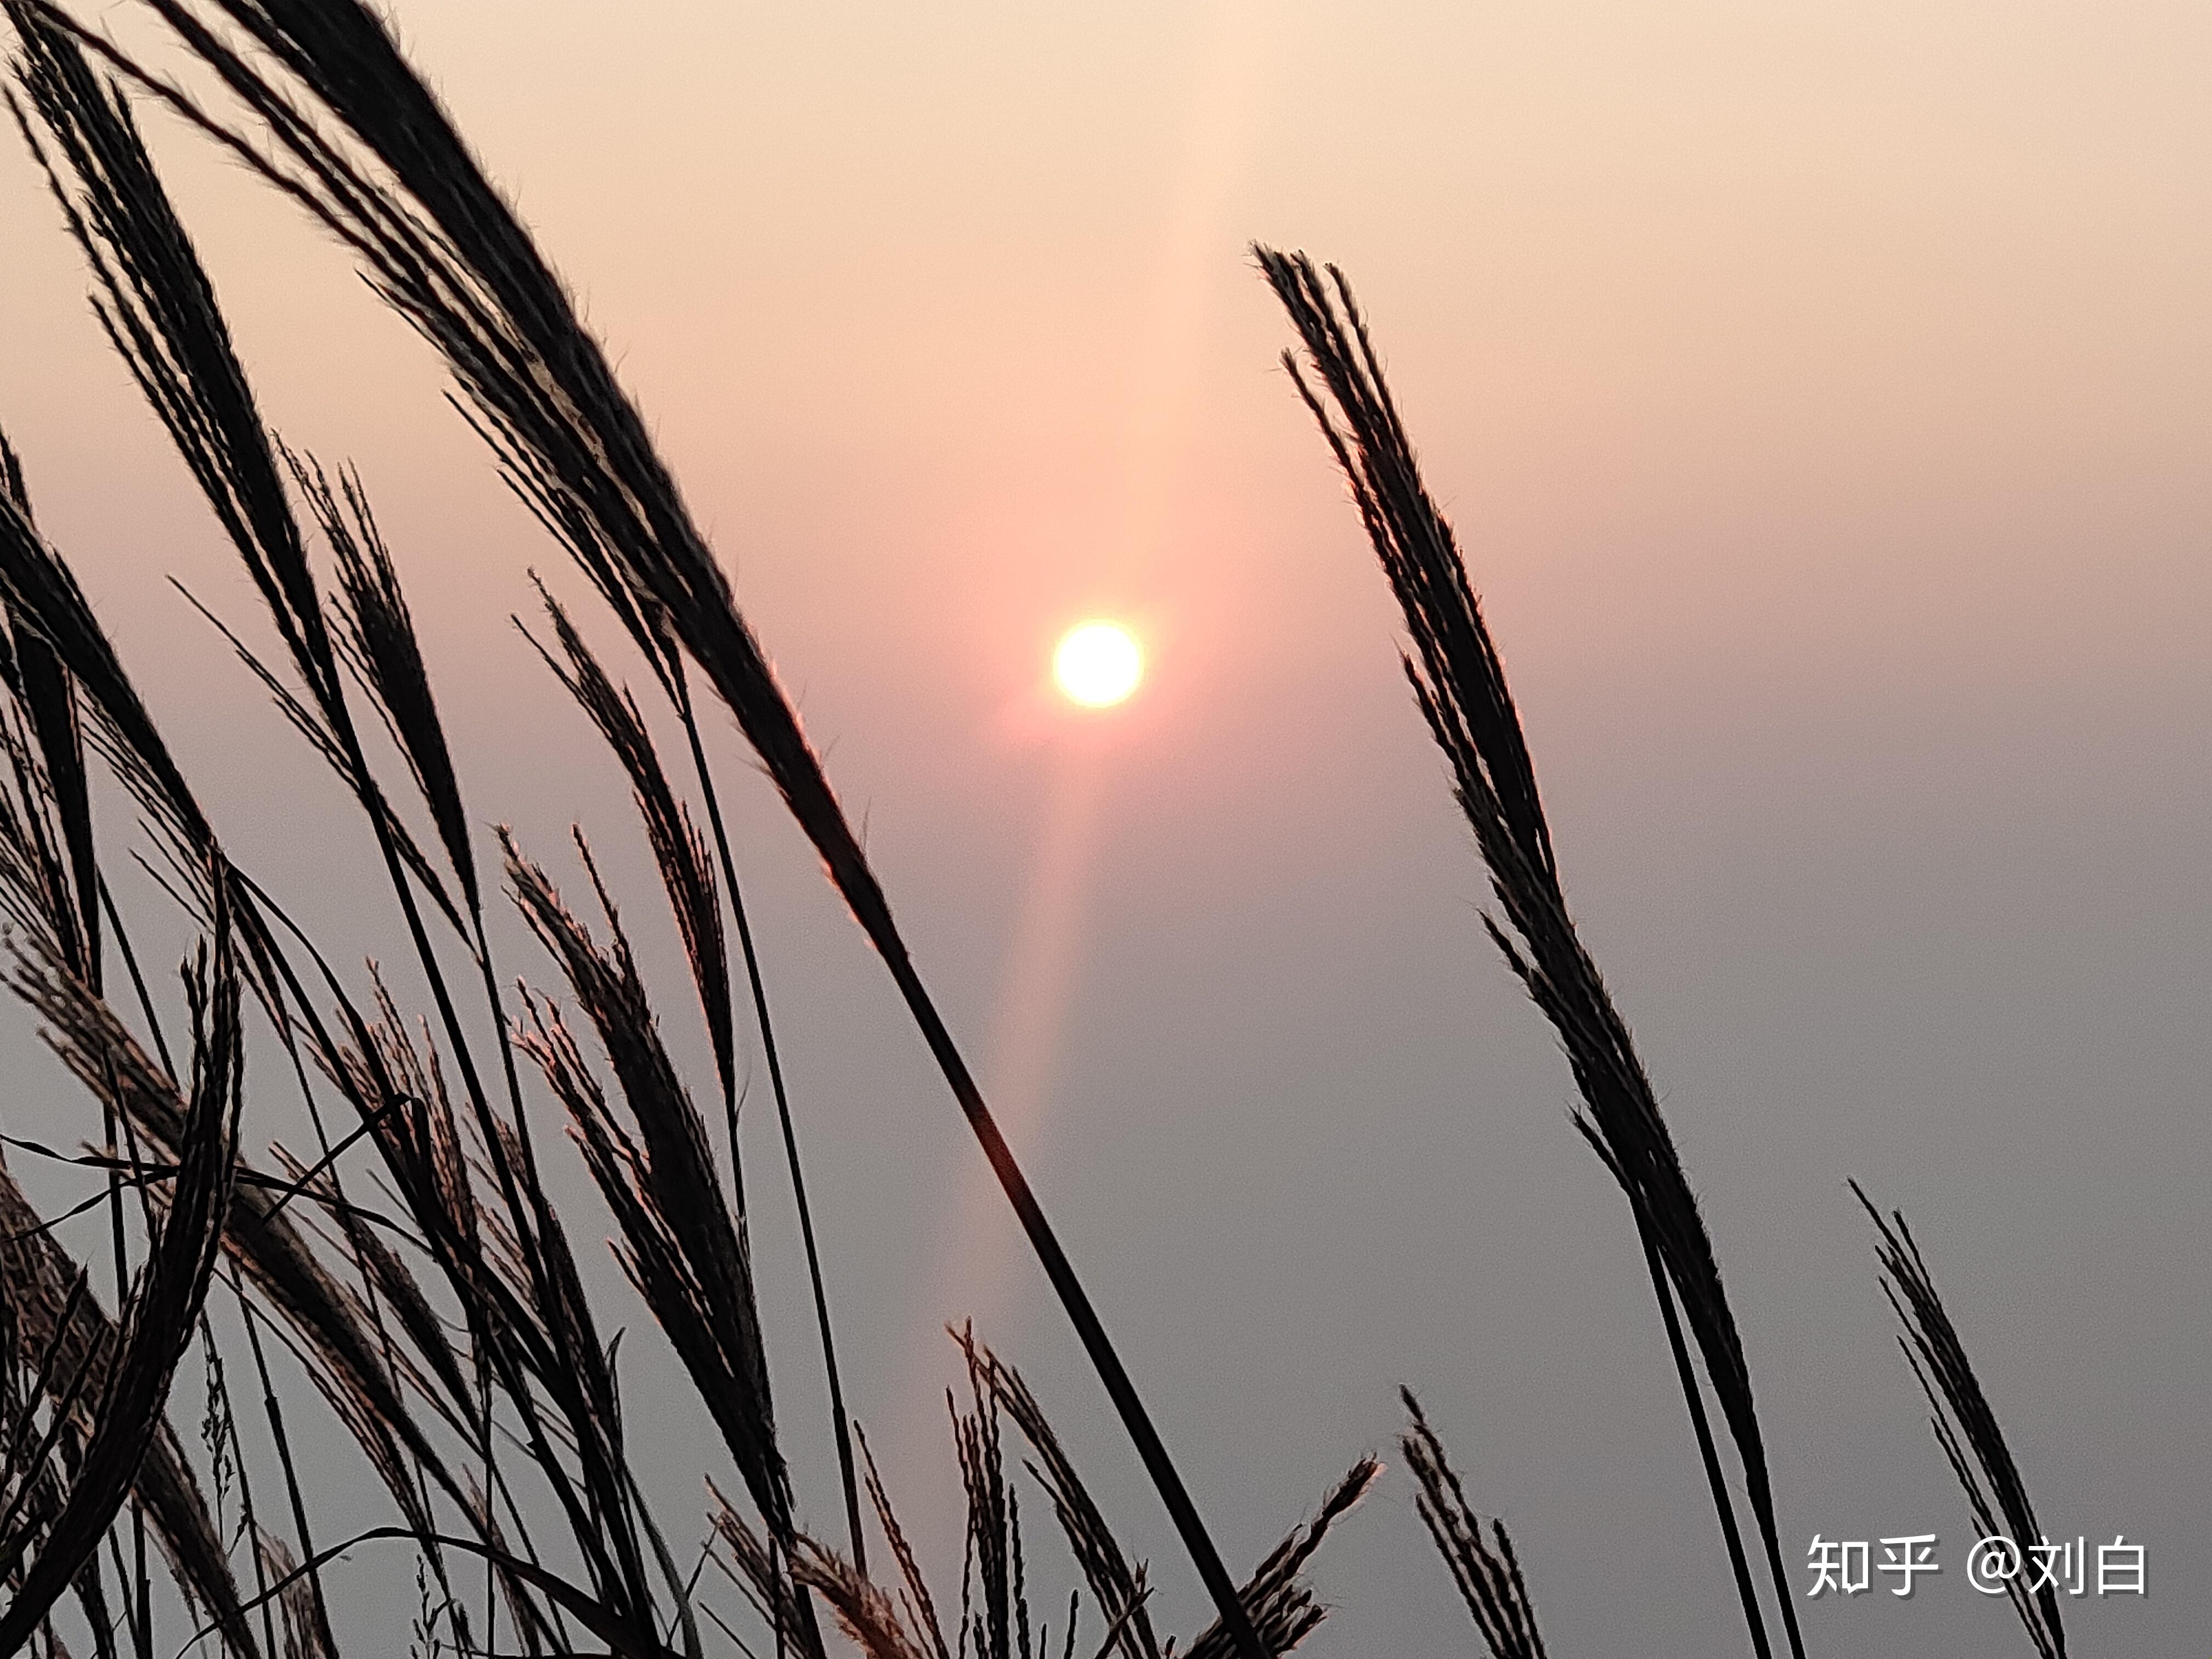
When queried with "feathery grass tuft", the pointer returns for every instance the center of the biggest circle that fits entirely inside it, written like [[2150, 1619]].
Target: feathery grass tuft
[[158, 1323], [687, 1256], [1487, 1572], [1965, 1427], [1459, 684], [46, 1306]]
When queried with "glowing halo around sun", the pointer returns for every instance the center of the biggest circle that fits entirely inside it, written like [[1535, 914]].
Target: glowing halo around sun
[[1097, 663]]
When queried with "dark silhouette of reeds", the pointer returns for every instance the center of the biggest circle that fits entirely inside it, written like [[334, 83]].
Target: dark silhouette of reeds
[[443, 248], [1487, 1571], [683, 1251], [1459, 684], [49, 1303], [688, 881], [411, 1263], [512, 1359], [1965, 1427], [161, 313], [994, 1620], [49, 1525]]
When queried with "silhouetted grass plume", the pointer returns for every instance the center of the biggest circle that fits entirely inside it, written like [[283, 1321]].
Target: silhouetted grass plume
[[1459, 683], [1487, 1571], [1965, 1427]]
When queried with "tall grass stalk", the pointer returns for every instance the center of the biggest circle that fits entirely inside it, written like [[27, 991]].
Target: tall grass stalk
[[1459, 684], [1487, 1571], [691, 892], [1965, 1427]]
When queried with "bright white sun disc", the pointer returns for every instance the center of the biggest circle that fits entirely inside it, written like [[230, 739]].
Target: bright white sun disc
[[1099, 663]]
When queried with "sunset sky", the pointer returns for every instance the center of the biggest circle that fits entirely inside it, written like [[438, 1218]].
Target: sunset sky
[[1823, 398]]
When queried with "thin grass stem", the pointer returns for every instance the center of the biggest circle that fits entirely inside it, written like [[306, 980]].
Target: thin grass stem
[[1693, 1396], [680, 681]]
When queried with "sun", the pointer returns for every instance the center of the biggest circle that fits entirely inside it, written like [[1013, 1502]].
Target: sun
[[1099, 663]]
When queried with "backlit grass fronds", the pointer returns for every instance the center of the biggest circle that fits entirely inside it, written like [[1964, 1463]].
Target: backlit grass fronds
[[161, 1315], [684, 1250], [678, 852], [1964, 1426], [1485, 1571], [1117, 1585], [1459, 684], [1281, 1603], [48, 1307], [1276, 1598], [363, 145], [44, 699]]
